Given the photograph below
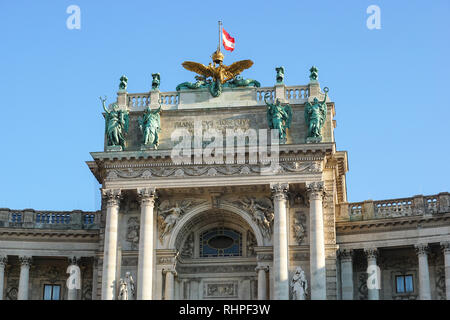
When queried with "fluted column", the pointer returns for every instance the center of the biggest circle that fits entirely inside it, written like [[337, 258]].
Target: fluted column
[[262, 282], [346, 257], [280, 242], [373, 285], [3, 262], [169, 288], [25, 263], [424, 274], [145, 260], [446, 249], [74, 280], [317, 242], [110, 248]]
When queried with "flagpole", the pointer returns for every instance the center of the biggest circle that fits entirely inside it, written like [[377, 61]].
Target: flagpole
[[220, 34]]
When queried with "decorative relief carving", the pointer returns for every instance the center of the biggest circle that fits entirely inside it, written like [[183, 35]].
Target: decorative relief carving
[[187, 251], [299, 227], [13, 289], [346, 254], [133, 232], [421, 249], [315, 190], [362, 286], [3, 261], [169, 212], [371, 253], [221, 290], [264, 257], [208, 170], [300, 256], [25, 261], [251, 243], [440, 283], [261, 211]]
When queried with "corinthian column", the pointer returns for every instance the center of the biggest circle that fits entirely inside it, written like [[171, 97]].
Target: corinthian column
[[446, 249], [280, 242], [424, 275], [25, 263], [262, 282], [3, 261], [145, 260], [346, 257], [317, 242], [110, 248]]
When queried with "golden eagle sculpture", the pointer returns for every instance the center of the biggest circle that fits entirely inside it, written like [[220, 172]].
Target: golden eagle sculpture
[[219, 72]]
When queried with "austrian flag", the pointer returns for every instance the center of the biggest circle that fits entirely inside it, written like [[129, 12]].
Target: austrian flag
[[228, 41]]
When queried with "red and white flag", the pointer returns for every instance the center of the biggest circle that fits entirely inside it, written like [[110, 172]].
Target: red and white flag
[[228, 41]]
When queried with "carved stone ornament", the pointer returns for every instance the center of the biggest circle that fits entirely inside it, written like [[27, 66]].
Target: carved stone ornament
[[279, 191], [299, 285], [421, 249], [170, 212], [221, 290], [187, 251], [315, 190], [251, 243], [3, 261], [261, 211], [147, 196], [133, 232], [346, 254], [299, 227], [371, 253], [112, 196], [25, 261], [217, 170]]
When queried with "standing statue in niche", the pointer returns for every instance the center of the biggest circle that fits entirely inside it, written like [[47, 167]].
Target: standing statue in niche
[[150, 127], [126, 288], [299, 285], [315, 116], [116, 124], [279, 116]]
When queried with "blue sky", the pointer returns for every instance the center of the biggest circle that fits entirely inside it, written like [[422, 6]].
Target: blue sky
[[389, 85]]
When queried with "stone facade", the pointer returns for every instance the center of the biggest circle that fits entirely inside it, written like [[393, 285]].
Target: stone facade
[[229, 230]]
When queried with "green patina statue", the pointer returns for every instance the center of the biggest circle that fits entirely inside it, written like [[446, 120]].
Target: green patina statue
[[279, 116], [116, 124], [314, 75], [123, 83], [280, 74], [156, 81], [315, 116], [238, 81], [150, 127], [200, 83]]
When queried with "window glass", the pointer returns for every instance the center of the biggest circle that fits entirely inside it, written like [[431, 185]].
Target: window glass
[[51, 292], [400, 283], [47, 292], [220, 242], [409, 283]]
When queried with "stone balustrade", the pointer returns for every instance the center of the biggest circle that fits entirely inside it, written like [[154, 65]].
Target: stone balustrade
[[395, 208], [31, 219], [169, 98], [297, 94], [138, 100]]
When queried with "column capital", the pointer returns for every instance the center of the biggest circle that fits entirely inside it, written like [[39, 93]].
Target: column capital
[[3, 262], [169, 270], [265, 268], [112, 196], [147, 195], [371, 253], [421, 249], [25, 260], [346, 254], [279, 191], [445, 245], [74, 260], [315, 190]]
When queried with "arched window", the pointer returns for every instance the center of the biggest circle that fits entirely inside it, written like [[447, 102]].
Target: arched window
[[220, 242]]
